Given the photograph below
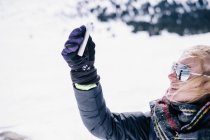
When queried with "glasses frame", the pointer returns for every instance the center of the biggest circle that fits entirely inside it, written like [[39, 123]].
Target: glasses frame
[[183, 67]]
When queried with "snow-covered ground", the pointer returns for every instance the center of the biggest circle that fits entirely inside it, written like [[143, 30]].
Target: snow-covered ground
[[36, 96]]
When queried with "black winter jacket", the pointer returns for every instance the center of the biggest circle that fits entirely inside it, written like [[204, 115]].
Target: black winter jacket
[[118, 126]]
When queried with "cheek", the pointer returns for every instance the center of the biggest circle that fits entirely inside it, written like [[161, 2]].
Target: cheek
[[197, 68], [206, 66]]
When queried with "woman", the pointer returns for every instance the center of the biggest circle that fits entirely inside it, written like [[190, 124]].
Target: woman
[[182, 113]]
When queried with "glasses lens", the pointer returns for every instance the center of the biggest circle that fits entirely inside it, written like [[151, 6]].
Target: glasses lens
[[184, 75], [182, 71]]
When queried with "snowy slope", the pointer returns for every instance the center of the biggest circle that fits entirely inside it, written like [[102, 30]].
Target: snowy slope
[[36, 96]]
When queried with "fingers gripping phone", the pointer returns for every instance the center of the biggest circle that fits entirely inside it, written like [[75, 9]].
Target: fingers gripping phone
[[84, 43]]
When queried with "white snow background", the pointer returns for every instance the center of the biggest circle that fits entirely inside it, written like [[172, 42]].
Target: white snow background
[[36, 95]]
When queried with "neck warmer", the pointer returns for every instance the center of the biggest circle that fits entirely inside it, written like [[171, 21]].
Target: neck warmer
[[170, 119]]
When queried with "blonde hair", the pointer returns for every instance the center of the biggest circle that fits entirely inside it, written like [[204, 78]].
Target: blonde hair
[[198, 50], [202, 52], [196, 88], [193, 90]]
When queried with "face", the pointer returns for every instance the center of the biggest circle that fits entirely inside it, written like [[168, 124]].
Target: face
[[195, 65]]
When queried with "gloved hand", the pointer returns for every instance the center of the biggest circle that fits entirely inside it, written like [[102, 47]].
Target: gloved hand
[[82, 67]]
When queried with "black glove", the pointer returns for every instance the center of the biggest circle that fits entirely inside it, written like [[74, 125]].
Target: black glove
[[82, 67]]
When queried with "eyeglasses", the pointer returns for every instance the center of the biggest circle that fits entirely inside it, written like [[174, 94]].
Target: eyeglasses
[[182, 71]]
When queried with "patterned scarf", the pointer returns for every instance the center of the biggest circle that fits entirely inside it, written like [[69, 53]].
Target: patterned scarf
[[170, 119]]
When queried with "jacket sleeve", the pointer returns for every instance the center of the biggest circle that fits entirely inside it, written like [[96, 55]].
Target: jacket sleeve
[[107, 125]]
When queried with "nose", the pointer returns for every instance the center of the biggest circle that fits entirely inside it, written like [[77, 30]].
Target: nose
[[172, 76]]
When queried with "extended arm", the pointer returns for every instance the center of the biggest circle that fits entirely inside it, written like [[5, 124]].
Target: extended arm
[[96, 116], [107, 125]]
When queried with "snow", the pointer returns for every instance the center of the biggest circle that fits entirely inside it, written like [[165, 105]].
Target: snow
[[36, 96]]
